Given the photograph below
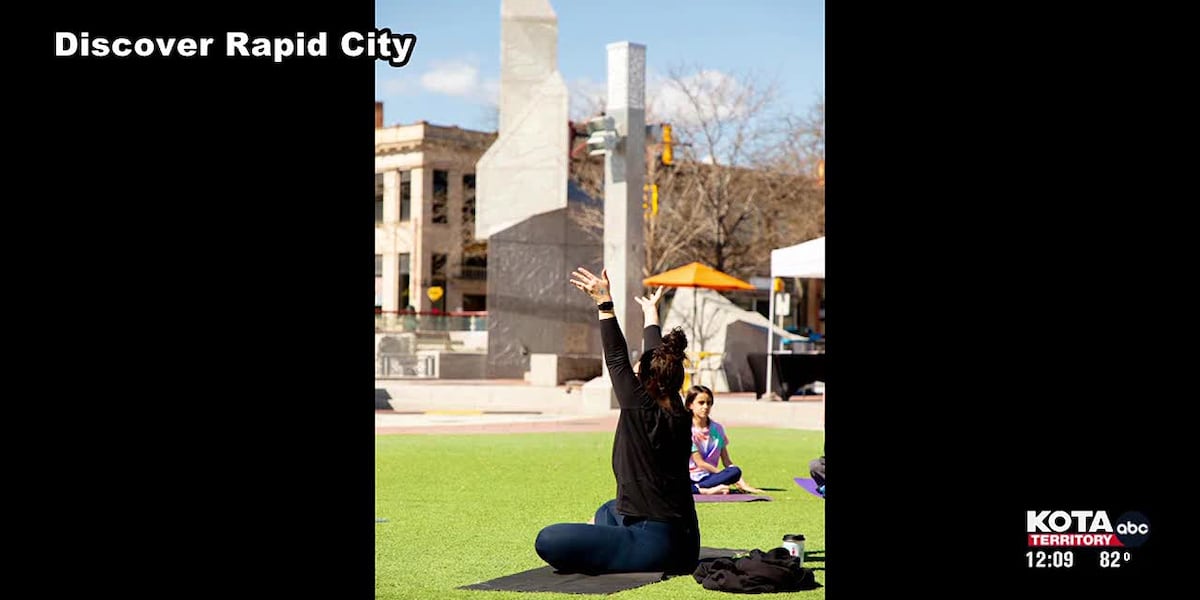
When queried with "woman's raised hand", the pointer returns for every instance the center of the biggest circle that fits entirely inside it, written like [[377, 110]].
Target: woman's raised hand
[[596, 287], [650, 303]]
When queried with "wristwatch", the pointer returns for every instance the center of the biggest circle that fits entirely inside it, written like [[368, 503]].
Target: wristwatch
[[605, 305]]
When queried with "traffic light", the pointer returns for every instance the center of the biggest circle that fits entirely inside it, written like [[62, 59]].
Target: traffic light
[[650, 198], [667, 154]]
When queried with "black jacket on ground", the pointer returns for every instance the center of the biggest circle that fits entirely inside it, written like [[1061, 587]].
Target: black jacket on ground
[[652, 445], [759, 573]]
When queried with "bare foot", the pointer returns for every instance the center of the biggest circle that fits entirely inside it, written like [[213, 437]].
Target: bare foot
[[749, 489], [716, 490]]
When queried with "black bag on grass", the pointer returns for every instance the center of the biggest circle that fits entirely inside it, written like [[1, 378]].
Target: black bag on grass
[[759, 573]]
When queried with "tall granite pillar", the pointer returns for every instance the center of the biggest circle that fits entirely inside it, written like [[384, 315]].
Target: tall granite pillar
[[524, 204], [624, 176]]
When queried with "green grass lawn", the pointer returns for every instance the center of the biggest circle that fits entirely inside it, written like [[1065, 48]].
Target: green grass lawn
[[462, 509]]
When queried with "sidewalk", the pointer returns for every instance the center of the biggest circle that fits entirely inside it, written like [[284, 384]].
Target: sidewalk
[[516, 406]]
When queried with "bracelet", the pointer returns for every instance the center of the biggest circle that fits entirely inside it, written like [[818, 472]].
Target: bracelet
[[605, 305]]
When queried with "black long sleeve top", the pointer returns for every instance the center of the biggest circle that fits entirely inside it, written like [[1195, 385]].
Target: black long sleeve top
[[652, 445]]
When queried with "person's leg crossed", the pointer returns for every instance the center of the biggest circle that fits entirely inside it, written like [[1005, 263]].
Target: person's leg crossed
[[607, 514], [647, 547], [579, 548], [729, 475]]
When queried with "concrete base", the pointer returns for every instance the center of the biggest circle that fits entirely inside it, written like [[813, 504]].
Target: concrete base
[[554, 369], [598, 396], [461, 365]]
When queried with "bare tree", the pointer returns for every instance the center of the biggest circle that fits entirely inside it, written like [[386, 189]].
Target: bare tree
[[587, 172], [740, 199], [743, 178], [803, 157]]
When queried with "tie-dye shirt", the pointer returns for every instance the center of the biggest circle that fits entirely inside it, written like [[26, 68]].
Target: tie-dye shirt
[[708, 441]]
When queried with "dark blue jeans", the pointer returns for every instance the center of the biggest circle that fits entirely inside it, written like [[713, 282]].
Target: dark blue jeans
[[726, 476], [619, 544]]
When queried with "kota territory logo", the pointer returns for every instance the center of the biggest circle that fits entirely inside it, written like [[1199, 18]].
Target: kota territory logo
[[1086, 528]]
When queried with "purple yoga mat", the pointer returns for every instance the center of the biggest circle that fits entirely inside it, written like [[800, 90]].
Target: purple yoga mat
[[730, 498], [809, 486]]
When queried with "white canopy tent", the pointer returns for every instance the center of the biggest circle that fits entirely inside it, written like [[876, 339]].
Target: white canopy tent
[[712, 324], [806, 261]]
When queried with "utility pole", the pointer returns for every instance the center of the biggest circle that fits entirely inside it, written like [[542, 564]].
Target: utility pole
[[624, 179]]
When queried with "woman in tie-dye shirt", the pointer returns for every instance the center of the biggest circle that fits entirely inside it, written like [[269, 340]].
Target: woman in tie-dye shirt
[[710, 445]]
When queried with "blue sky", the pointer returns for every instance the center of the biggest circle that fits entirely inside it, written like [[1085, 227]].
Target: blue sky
[[452, 77]]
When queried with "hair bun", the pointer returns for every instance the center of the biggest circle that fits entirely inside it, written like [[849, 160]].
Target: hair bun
[[674, 343], [664, 377]]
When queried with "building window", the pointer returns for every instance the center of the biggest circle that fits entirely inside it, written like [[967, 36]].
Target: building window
[[468, 205], [378, 200], [441, 193], [404, 269], [474, 254], [475, 266], [405, 195], [378, 281], [437, 265], [474, 302], [437, 270]]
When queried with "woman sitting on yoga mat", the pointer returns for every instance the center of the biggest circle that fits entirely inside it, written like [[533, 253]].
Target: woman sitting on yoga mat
[[651, 525], [816, 469], [710, 443]]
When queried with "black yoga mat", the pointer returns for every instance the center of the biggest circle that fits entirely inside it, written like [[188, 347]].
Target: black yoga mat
[[545, 579]]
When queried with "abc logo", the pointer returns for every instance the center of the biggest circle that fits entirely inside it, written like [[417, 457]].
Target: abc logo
[[1133, 529]]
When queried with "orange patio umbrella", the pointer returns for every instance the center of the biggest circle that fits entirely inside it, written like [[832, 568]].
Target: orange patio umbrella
[[697, 275]]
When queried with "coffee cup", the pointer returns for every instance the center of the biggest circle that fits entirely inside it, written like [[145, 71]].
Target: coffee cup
[[794, 543]]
